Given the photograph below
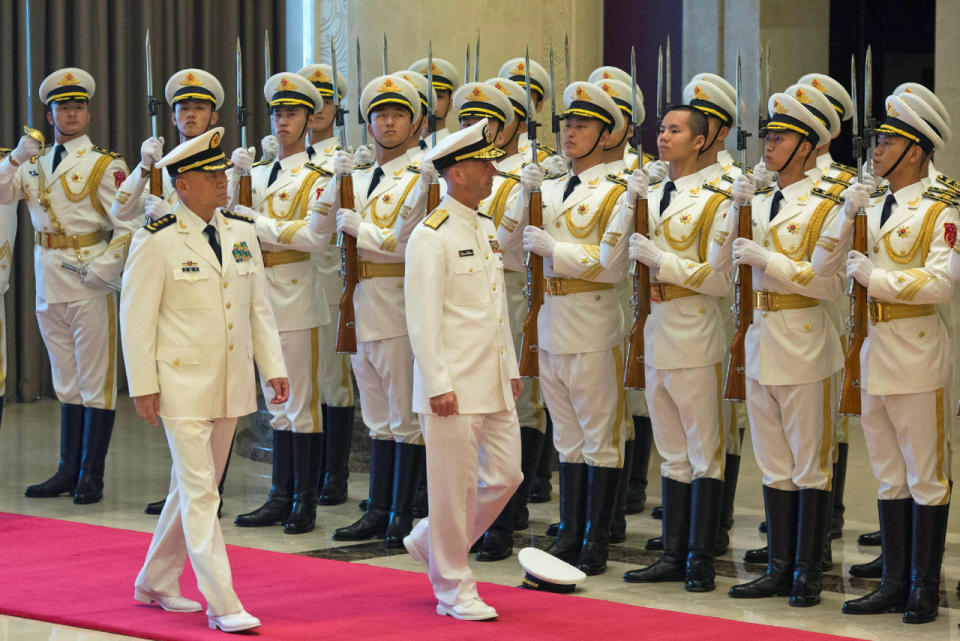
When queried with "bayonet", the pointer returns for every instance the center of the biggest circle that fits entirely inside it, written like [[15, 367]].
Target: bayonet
[[668, 87], [761, 100], [152, 101], [742, 133], [338, 110], [383, 57], [363, 125], [531, 123], [28, 130], [431, 119], [476, 60], [659, 86], [266, 56], [466, 64], [868, 120], [554, 118], [566, 58], [241, 111]]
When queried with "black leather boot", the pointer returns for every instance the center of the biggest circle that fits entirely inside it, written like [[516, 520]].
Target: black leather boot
[[541, 489], [731, 473], [839, 481], [706, 504], [573, 506], [896, 518], [406, 468], [71, 444], [280, 499], [373, 523], [929, 533], [339, 435], [421, 500], [618, 523], [531, 443], [601, 499], [869, 570], [306, 478], [643, 442], [497, 541], [654, 544], [676, 537], [781, 508], [813, 519], [657, 513], [97, 429], [869, 539], [757, 555]]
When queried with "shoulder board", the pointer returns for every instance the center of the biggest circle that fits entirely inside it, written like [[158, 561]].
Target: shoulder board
[[647, 157], [826, 195], [261, 163], [941, 197], [719, 190], [616, 179], [879, 192], [229, 214], [508, 176], [317, 168], [436, 219], [948, 182], [366, 165], [828, 179], [105, 152], [765, 190], [846, 168], [160, 223], [737, 164], [415, 169], [727, 177], [554, 176], [549, 150]]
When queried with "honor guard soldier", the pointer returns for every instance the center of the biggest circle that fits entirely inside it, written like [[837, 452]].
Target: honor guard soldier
[[68, 189], [903, 398], [337, 380], [837, 176], [791, 409], [383, 362], [446, 80], [466, 379], [581, 324], [629, 154], [195, 317], [283, 194], [540, 86], [685, 343], [8, 235]]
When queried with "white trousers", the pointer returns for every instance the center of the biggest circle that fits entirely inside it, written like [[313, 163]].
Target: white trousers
[[337, 386], [793, 431], [686, 410], [384, 371], [81, 339], [301, 413], [188, 525], [473, 468], [908, 442], [588, 405]]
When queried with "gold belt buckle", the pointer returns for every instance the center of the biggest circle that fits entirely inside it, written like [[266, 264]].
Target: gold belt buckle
[[657, 294], [553, 286], [875, 311], [765, 301]]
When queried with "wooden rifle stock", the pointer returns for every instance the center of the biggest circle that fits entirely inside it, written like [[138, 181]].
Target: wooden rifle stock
[[350, 267], [634, 376], [850, 391], [529, 344], [735, 388], [245, 197], [156, 183], [433, 196]]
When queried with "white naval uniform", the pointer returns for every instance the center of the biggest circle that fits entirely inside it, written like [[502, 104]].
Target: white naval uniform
[[8, 235], [685, 337], [292, 255], [459, 326], [905, 363], [729, 166], [792, 353], [506, 189], [581, 332], [383, 364], [130, 200], [78, 323], [191, 332]]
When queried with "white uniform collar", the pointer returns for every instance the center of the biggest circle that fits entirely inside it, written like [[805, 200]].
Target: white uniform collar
[[824, 162], [77, 143], [795, 190], [398, 163], [616, 167], [454, 207], [293, 161], [688, 182]]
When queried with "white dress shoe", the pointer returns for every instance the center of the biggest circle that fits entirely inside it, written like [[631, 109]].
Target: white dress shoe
[[474, 610], [236, 622], [170, 603], [416, 552]]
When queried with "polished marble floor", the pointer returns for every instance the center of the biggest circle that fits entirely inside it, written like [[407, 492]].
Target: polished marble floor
[[138, 469]]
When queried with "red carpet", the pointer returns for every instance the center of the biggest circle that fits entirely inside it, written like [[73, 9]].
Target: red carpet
[[82, 575]]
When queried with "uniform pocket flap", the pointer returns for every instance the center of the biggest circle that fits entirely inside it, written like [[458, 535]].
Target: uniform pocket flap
[[178, 356]]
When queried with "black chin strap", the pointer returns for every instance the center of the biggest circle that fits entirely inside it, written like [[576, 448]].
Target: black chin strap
[[602, 131], [513, 135], [910, 144], [619, 142], [715, 136], [790, 159], [383, 146]]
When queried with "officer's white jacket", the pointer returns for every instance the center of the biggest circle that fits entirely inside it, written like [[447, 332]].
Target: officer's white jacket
[[193, 328], [457, 314], [80, 193], [791, 346], [911, 253]]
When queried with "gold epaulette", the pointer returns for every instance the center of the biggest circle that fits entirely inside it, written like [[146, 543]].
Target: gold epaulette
[[436, 219], [949, 183], [160, 223], [879, 191], [105, 152], [507, 175], [940, 196], [728, 178], [229, 214], [261, 163], [415, 169], [616, 179], [826, 195], [835, 181], [845, 168], [366, 165], [946, 193], [719, 190], [317, 168], [765, 190]]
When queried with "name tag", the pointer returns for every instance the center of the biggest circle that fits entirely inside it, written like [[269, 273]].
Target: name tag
[[241, 252], [466, 252]]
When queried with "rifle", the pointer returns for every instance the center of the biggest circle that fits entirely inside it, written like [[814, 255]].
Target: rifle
[[28, 129], [363, 125], [476, 60], [245, 196], [433, 193], [634, 376], [156, 182], [857, 322], [554, 118], [659, 95], [383, 60], [529, 343], [735, 388], [349, 263]]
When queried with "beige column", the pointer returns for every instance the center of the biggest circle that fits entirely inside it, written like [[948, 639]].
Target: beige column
[[947, 80]]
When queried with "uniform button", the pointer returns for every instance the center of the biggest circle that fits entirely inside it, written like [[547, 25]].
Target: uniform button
[[921, 334], [225, 285], [475, 226], [876, 249], [766, 243], [494, 288], [501, 320], [230, 326], [116, 255], [808, 327], [487, 256], [703, 311], [86, 251], [501, 352], [231, 347], [228, 306], [176, 363], [294, 281], [471, 269], [656, 232]]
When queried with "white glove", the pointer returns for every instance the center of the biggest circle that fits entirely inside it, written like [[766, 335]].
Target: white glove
[[151, 151], [365, 155], [762, 176], [247, 211], [348, 222], [242, 158], [644, 250], [343, 162], [156, 207], [93, 281], [857, 196], [538, 241], [871, 181], [555, 164], [859, 267], [26, 149], [743, 188], [656, 170], [637, 185], [427, 172], [749, 252], [269, 148], [531, 177]]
